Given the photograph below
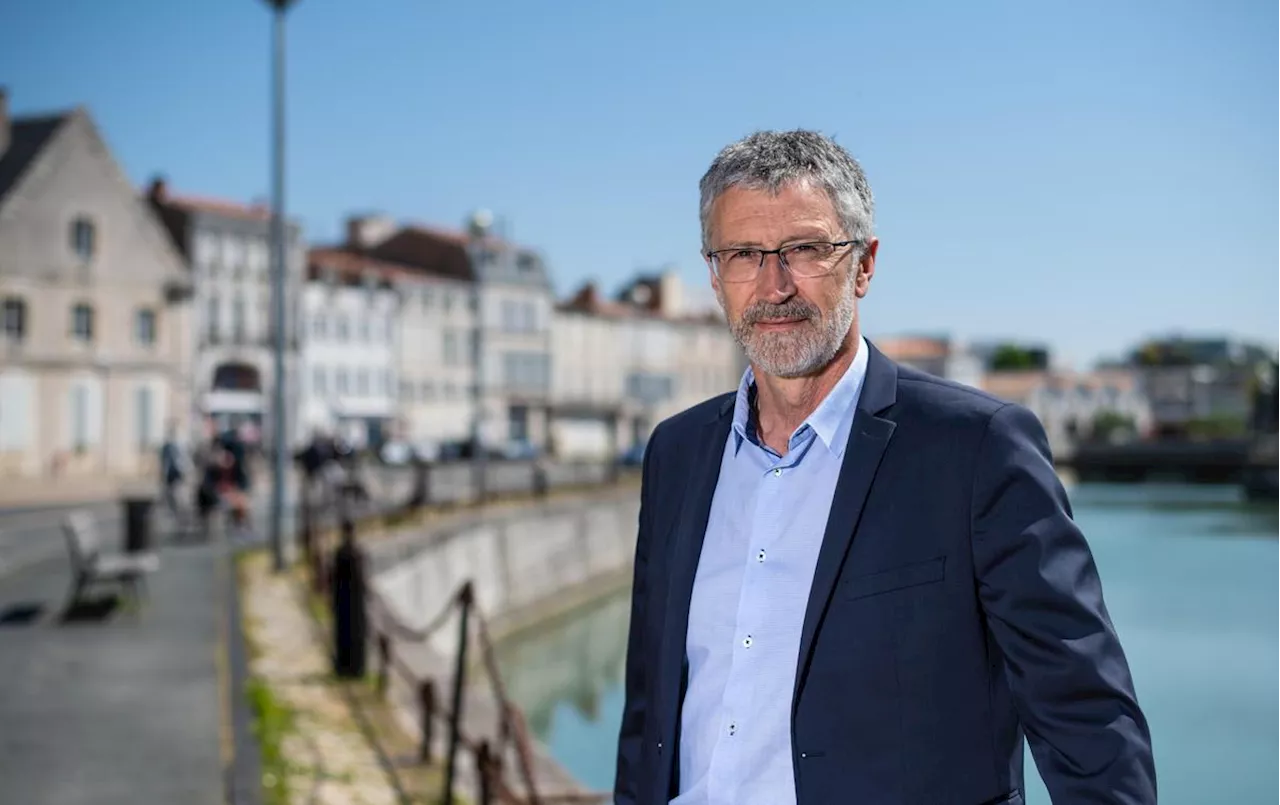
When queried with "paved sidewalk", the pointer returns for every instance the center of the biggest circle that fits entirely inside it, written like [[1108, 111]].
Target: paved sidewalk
[[115, 708]]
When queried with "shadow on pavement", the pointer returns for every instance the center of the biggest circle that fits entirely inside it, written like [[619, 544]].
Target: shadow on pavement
[[91, 610], [23, 614]]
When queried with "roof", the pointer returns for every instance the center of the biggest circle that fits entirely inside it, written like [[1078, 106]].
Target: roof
[[429, 251], [1017, 386], [909, 348], [28, 137], [588, 301], [163, 198], [352, 266]]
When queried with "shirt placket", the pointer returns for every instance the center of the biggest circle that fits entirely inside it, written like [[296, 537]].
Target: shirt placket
[[767, 523]]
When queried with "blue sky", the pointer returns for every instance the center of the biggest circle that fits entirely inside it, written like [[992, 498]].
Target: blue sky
[[1082, 173]]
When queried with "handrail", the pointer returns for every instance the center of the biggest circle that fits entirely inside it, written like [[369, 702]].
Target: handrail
[[389, 627]]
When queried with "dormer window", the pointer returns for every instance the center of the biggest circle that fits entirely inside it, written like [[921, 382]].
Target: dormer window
[[83, 238]]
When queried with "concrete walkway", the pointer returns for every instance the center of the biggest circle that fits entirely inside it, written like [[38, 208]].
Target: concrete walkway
[[111, 705]]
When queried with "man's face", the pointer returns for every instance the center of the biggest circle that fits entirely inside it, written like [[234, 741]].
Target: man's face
[[789, 326]]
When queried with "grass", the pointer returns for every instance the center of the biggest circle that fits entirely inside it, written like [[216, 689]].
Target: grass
[[272, 723]]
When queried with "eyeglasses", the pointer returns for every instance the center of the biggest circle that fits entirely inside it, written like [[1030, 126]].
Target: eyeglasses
[[813, 259]]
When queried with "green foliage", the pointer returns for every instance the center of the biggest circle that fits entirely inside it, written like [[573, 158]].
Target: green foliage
[[1217, 427], [1110, 425], [272, 723]]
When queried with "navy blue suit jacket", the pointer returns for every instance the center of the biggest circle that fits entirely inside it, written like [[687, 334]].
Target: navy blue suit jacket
[[955, 608]]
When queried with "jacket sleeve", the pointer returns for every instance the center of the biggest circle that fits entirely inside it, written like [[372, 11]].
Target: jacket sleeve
[[631, 737], [1043, 602]]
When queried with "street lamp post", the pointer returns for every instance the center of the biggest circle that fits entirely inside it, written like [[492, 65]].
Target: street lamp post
[[279, 263]]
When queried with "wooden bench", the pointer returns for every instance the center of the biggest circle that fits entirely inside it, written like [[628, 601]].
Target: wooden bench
[[90, 566]]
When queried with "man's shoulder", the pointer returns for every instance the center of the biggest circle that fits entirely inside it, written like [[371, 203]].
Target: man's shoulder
[[681, 429]]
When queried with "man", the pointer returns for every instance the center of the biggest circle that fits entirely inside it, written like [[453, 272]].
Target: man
[[854, 582]]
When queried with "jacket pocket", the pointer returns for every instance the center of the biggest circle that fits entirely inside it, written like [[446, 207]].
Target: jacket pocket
[[897, 578]]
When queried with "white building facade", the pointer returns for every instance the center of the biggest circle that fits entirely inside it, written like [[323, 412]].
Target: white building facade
[[350, 349], [94, 309], [228, 248]]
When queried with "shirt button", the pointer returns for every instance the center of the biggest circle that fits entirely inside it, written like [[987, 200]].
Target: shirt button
[[733, 729], [777, 471], [760, 556], [746, 641]]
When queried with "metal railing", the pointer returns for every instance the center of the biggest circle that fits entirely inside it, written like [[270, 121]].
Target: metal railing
[[503, 760]]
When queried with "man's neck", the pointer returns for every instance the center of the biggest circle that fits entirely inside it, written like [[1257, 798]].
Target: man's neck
[[783, 403]]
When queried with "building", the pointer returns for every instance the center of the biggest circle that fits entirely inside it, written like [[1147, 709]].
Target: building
[[623, 365], [1199, 386], [228, 248], [1106, 405], [940, 356], [435, 360], [94, 308], [349, 379], [486, 303]]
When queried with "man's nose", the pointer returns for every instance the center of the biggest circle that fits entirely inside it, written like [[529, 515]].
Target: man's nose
[[775, 282]]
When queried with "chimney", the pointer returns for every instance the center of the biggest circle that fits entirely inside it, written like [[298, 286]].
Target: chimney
[[368, 231], [159, 190], [4, 120]]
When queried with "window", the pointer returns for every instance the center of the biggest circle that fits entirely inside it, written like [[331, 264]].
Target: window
[[206, 251], [362, 382], [145, 416], [343, 331], [427, 298], [448, 301], [343, 382], [13, 319], [84, 409], [82, 322], [319, 381], [17, 410], [83, 238], [428, 390], [366, 333], [319, 327], [450, 348], [237, 319], [387, 384], [406, 391], [144, 327], [212, 318]]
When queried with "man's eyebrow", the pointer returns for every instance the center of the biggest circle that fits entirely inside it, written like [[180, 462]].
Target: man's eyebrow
[[808, 237]]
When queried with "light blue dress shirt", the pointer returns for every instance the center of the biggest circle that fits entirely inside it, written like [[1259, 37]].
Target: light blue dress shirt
[[767, 520]]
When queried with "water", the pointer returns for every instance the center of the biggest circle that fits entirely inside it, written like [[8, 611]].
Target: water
[[1190, 578]]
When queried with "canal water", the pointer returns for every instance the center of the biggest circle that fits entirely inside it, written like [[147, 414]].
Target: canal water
[[1190, 576]]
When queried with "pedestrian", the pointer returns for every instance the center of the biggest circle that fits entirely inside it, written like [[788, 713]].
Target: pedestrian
[[856, 582]]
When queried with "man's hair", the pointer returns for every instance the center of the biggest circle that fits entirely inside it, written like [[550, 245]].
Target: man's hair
[[771, 160]]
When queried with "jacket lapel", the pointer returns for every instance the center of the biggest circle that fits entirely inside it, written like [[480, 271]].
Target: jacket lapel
[[686, 548], [868, 439]]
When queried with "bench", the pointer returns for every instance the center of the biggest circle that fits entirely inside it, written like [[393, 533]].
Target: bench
[[90, 566]]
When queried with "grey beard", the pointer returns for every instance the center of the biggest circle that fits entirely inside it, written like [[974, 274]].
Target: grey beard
[[808, 348]]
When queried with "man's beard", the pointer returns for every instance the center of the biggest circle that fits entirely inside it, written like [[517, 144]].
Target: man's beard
[[810, 345]]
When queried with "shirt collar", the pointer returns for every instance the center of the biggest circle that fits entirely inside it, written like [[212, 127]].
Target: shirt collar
[[831, 421]]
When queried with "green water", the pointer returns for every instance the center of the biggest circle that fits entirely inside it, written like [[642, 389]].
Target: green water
[[1190, 576]]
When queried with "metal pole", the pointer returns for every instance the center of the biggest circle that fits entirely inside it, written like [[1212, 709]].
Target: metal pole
[[478, 458], [280, 443]]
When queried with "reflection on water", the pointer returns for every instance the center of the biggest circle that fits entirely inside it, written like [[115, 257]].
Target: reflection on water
[[567, 678], [1190, 579]]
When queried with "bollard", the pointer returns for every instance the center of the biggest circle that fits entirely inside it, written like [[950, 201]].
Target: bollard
[[349, 623], [427, 705], [384, 663], [484, 773]]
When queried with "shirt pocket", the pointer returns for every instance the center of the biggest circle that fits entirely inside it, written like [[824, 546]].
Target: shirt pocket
[[915, 574]]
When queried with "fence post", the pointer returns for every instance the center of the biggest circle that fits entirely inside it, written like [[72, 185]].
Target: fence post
[[459, 673], [350, 633], [384, 663], [427, 703], [484, 773]]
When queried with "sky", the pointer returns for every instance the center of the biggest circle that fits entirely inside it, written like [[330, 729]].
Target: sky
[[1082, 174]]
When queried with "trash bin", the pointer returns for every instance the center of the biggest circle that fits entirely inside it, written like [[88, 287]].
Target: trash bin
[[137, 524]]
